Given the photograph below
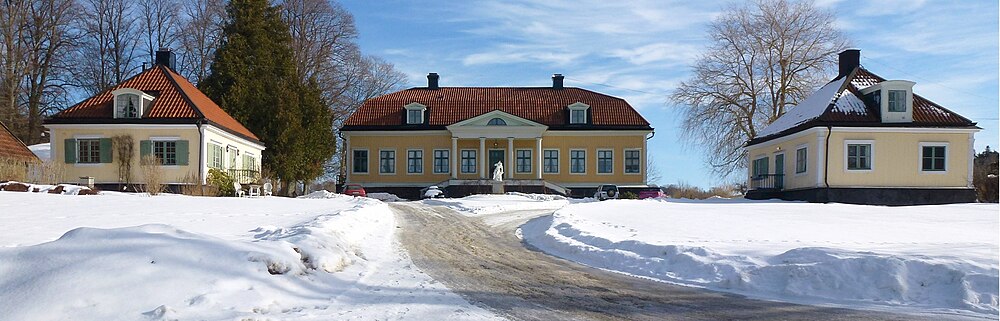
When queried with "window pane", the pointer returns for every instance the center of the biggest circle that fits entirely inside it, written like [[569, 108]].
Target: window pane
[[551, 161], [387, 161], [415, 161], [632, 161], [441, 161], [578, 161], [604, 161], [468, 161], [360, 161], [524, 161], [897, 100]]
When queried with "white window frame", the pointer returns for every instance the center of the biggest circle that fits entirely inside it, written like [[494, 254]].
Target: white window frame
[[805, 161], [415, 107], [578, 106], [584, 172], [422, 163], [394, 159], [888, 100], [475, 161], [517, 165], [143, 98], [597, 161], [368, 161], [152, 147], [447, 159], [920, 158], [77, 151], [625, 161], [220, 154], [871, 151], [558, 168]]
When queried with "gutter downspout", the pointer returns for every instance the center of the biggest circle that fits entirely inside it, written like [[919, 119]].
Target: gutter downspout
[[201, 155], [826, 161], [343, 159]]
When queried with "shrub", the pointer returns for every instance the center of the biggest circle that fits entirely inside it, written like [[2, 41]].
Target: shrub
[[152, 174], [221, 181], [629, 196]]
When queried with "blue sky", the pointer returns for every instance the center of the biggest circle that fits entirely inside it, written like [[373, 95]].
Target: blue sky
[[640, 50]]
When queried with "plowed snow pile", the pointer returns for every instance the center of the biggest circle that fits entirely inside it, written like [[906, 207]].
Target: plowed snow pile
[[940, 259]]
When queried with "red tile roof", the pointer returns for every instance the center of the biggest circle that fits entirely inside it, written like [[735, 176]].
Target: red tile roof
[[13, 148], [176, 100], [847, 107], [449, 105]]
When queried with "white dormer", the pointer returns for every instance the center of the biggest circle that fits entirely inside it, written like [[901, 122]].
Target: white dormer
[[131, 103], [415, 113], [578, 113], [894, 98]]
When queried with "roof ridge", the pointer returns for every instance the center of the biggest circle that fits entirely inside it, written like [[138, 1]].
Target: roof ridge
[[183, 93], [110, 88], [880, 78]]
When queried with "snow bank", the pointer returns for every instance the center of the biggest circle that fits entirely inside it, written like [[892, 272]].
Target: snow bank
[[67, 189], [476, 205], [940, 258], [385, 197], [43, 151]]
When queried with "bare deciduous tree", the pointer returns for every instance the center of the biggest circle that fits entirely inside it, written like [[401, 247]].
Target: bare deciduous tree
[[108, 49], [765, 57], [653, 174], [202, 28], [13, 60], [50, 37], [160, 24]]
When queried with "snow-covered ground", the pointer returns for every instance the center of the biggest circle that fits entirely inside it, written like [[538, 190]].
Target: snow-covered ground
[[936, 259], [477, 205], [133, 257]]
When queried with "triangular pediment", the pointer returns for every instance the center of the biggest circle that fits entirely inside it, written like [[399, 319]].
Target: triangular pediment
[[508, 120]]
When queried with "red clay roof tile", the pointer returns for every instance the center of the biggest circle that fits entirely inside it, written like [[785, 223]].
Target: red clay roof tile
[[13, 148], [175, 98]]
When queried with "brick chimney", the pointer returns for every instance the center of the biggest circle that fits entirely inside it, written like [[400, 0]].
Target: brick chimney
[[165, 57], [432, 80], [849, 59], [557, 81]]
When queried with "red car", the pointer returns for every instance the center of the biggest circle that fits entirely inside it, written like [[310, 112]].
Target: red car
[[651, 193], [354, 190]]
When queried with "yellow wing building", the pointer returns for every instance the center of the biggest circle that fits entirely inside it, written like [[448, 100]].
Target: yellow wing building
[[867, 140], [556, 139]]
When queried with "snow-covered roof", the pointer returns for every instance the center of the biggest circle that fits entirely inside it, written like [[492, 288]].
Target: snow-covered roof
[[807, 110]]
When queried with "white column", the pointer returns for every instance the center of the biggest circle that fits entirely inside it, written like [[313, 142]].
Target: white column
[[509, 168], [972, 156], [538, 148], [482, 158], [821, 156], [349, 159], [454, 157]]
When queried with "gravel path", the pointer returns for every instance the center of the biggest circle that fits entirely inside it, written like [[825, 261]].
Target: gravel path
[[482, 259]]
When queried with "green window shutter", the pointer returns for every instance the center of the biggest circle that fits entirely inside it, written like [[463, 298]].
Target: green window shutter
[[70, 149], [145, 148], [182, 152], [106, 151]]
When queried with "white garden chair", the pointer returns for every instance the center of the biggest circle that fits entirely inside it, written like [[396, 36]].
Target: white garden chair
[[267, 189], [239, 189]]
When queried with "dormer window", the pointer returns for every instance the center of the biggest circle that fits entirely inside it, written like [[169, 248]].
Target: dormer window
[[415, 113], [578, 113], [897, 101], [496, 122], [130, 103], [894, 99]]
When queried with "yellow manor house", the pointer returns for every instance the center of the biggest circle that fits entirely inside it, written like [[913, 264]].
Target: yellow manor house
[[867, 140], [555, 139]]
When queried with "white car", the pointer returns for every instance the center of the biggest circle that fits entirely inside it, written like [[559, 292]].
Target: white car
[[606, 192]]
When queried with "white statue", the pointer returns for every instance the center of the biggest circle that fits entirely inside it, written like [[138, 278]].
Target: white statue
[[498, 172]]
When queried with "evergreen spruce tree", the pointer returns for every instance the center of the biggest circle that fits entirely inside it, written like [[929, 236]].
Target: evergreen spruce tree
[[253, 79]]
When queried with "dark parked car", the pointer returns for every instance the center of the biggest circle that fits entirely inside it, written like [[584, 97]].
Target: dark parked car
[[354, 190]]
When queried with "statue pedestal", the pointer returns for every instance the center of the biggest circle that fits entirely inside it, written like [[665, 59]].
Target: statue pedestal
[[497, 187]]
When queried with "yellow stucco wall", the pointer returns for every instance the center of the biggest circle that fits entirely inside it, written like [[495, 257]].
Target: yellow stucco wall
[[895, 158], [442, 140], [108, 172]]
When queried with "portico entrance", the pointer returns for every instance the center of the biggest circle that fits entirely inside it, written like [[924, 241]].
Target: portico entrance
[[496, 155]]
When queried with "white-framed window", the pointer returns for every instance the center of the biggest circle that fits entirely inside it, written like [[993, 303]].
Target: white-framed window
[[859, 155], [387, 161], [605, 161], [215, 153], [523, 160], [415, 161], [497, 122], [632, 161], [550, 159], [578, 113], [233, 152], [801, 160], [128, 105], [359, 161], [934, 157], [897, 100], [165, 151], [469, 161], [442, 161], [88, 151], [577, 161], [250, 162], [415, 113]]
